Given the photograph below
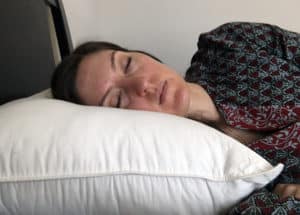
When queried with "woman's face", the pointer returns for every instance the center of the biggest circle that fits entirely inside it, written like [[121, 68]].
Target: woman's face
[[131, 80]]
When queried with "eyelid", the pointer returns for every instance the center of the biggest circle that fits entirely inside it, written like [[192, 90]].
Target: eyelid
[[119, 100], [129, 59], [113, 97], [104, 98]]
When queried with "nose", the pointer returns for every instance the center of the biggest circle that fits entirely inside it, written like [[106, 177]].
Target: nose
[[138, 85]]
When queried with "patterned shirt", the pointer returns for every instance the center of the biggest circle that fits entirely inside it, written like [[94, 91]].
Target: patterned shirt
[[252, 73]]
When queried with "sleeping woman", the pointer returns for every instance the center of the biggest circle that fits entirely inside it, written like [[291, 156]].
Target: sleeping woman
[[244, 80]]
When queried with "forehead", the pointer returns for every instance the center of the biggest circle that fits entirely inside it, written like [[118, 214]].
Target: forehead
[[93, 75], [100, 58]]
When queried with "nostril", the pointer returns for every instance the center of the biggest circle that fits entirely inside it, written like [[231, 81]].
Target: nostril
[[143, 86], [148, 89]]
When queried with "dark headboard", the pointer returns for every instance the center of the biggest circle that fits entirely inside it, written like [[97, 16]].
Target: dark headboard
[[26, 57]]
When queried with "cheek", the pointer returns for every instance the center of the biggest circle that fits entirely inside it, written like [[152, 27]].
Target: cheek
[[152, 67]]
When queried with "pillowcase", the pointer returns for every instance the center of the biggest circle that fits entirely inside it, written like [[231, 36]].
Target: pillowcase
[[62, 158]]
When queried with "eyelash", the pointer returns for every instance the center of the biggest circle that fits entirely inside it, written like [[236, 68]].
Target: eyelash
[[118, 105], [119, 101], [128, 64]]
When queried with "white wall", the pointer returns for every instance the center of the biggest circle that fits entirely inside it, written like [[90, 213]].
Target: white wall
[[169, 29]]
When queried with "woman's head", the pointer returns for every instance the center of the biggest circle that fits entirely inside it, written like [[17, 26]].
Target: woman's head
[[64, 77], [105, 74]]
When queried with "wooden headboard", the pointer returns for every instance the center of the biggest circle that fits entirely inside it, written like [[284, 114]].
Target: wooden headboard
[[27, 55]]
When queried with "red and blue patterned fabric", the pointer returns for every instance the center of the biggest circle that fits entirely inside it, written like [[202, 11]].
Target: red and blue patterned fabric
[[252, 73]]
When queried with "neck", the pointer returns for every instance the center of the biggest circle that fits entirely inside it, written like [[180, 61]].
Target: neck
[[201, 107]]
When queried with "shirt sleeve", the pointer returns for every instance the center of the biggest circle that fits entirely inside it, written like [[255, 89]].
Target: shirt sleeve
[[270, 39], [281, 147], [266, 202]]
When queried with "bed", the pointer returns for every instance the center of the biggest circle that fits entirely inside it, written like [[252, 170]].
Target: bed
[[27, 30], [62, 158]]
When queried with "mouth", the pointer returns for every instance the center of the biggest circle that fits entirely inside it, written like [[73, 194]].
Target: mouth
[[163, 92]]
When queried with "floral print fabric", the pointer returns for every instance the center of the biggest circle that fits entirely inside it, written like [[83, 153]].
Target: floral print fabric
[[252, 73]]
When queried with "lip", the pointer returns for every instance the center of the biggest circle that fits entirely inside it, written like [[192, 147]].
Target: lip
[[163, 92]]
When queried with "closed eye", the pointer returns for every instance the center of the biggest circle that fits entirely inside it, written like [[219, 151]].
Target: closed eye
[[119, 101], [128, 64]]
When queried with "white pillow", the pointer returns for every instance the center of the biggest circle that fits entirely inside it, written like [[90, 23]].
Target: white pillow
[[61, 158]]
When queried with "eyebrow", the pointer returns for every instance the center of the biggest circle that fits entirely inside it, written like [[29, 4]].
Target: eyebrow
[[112, 60], [113, 66]]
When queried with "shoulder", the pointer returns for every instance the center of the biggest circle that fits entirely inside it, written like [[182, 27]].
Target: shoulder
[[239, 28]]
